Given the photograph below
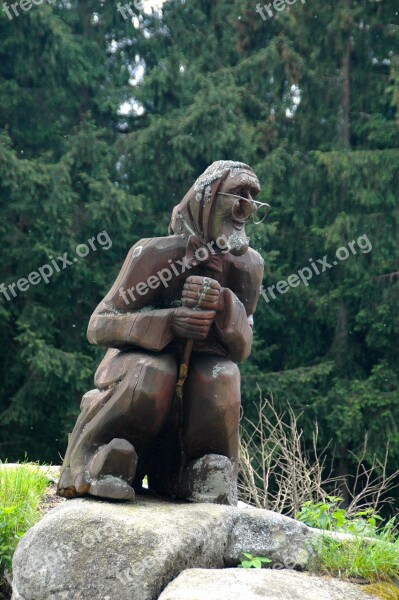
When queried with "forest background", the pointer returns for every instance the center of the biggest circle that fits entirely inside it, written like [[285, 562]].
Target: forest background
[[105, 122]]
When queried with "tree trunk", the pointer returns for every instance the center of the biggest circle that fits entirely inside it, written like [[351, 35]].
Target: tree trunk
[[346, 90]]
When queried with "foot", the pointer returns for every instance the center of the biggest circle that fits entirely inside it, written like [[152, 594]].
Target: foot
[[118, 458], [109, 474], [209, 479], [112, 488]]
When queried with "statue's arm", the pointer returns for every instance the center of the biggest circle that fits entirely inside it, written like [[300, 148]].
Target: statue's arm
[[150, 331], [234, 323], [119, 321]]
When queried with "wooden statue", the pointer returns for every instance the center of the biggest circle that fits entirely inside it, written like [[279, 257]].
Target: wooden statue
[[176, 321]]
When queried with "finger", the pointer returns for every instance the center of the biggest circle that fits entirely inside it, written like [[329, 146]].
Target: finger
[[198, 336], [211, 298], [202, 304], [194, 333], [194, 289], [202, 314], [198, 315], [197, 280], [194, 295], [205, 322], [191, 335], [203, 286], [194, 328]]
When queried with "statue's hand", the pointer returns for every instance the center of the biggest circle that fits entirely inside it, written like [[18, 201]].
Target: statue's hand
[[202, 293], [192, 324]]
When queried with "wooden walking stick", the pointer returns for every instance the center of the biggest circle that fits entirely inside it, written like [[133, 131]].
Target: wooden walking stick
[[183, 372], [181, 378]]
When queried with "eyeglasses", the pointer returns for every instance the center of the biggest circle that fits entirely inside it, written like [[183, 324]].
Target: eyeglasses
[[243, 209]]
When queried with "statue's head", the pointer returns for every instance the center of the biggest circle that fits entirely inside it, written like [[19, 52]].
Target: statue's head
[[219, 204]]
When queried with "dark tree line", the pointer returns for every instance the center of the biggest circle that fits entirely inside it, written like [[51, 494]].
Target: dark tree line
[[309, 98]]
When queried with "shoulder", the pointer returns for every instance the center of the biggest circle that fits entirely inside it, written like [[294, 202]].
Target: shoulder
[[246, 278], [254, 260], [251, 263], [157, 246]]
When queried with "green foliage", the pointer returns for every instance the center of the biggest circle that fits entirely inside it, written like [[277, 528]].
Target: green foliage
[[309, 98], [323, 515], [58, 188], [253, 562], [373, 560], [21, 489], [371, 553], [330, 517]]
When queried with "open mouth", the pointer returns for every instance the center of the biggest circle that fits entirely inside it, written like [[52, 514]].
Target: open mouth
[[238, 224]]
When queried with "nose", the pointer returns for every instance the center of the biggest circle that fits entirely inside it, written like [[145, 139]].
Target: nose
[[248, 195]]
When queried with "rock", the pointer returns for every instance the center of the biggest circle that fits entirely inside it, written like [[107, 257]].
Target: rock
[[259, 584], [265, 533], [94, 550]]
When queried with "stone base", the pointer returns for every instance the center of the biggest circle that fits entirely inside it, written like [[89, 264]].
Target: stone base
[[257, 584], [95, 550]]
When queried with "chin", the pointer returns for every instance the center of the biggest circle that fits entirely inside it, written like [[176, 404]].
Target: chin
[[238, 243], [239, 251]]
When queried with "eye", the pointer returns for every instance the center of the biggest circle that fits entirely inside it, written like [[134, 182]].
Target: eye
[[254, 192]]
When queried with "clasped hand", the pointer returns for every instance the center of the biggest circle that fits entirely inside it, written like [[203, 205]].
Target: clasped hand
[[201, 298]]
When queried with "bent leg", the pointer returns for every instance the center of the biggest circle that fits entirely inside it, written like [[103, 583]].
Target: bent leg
[[212, 403], [211, 422], [116, 421]]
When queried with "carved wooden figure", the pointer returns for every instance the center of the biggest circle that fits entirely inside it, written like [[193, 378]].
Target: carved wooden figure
[[176, 321]]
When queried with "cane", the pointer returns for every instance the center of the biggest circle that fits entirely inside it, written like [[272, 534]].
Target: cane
[[181, 378], [178, 403]]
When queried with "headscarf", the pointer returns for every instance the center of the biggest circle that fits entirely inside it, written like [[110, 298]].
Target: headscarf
[[191, 216]]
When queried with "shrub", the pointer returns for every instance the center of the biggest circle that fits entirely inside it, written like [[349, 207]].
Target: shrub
[[278, 472]]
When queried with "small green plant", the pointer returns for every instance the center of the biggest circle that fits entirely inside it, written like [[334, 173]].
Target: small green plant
[[329, 516], [323, 515], [21, 489], [253, 562]]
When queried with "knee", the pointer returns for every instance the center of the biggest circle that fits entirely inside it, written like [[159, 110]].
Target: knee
[[151, 387], [224, 373], [212, 370], [221, 382]]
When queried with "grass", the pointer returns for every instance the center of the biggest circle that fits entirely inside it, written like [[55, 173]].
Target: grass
[[372, 553], [373, 560], [385, 591], [21, 489]]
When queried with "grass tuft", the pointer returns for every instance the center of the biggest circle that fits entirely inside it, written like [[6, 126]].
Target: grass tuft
[[372, 553], [373, 560], [384, 591], [21, 489]]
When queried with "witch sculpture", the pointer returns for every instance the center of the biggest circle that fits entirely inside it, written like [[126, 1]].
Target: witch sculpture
[[176, 321]]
